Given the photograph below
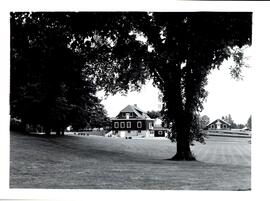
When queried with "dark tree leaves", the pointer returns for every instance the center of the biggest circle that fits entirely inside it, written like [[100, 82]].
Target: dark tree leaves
[[48, 83]]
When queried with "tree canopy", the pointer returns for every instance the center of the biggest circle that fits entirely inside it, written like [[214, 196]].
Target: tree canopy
[[48, 84], [177, 50]]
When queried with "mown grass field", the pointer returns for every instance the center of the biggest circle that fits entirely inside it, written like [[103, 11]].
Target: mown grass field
[[95, 162]]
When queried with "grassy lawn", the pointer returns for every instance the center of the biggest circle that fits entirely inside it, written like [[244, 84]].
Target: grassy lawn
[[94, 162]]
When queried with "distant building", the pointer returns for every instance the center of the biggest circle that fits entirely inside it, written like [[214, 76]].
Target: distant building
[[246, 128], [159, 130], [218, 124], [132, 121]]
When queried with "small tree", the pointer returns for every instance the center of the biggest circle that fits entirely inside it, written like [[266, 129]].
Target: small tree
[[154, 114], [204, 121], [230, 121], [249, 123]]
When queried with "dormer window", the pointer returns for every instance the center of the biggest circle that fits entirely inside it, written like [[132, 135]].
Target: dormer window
[[127, 115]]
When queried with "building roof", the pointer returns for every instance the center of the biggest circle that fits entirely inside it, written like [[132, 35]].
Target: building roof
[[160, 128], [222, 121], [133, 108]]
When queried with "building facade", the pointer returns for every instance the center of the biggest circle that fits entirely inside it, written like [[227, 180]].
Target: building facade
[[219, 124], [132, 122], [160, 131]]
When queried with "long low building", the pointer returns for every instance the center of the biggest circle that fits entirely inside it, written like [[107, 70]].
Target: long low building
[[218, 124]]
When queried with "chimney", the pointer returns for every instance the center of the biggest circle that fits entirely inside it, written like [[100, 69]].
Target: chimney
[[135, 105]]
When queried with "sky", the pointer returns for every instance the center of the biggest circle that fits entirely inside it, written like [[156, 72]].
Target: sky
[[225, 95], [229, 96]]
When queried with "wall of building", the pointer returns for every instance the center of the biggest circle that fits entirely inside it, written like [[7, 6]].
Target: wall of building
[[133, 133], [128, 124], [159, 133], [222, 127]]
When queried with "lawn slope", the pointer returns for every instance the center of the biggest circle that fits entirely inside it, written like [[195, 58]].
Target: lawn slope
[[94, 162]]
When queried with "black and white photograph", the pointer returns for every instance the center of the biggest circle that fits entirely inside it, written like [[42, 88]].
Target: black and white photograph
[[120, 100]]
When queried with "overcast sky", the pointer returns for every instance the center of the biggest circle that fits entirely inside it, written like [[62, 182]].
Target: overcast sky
[[229, 96], [226, 96]]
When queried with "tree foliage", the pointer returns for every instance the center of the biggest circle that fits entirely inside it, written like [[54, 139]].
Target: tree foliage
[[229, 119], [153, 114], [48, 83], [203, 121], [249, 123], [178, 50]]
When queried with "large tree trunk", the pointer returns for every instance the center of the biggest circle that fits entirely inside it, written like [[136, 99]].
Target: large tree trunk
[[183, 151], [181, 122]]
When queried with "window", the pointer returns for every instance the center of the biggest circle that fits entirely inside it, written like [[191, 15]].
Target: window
[[224, 126], [127, 115], [128, 124], [212, 126], [116, 124], [139, 124], [131, 114], [123, 114], [122, 125]]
